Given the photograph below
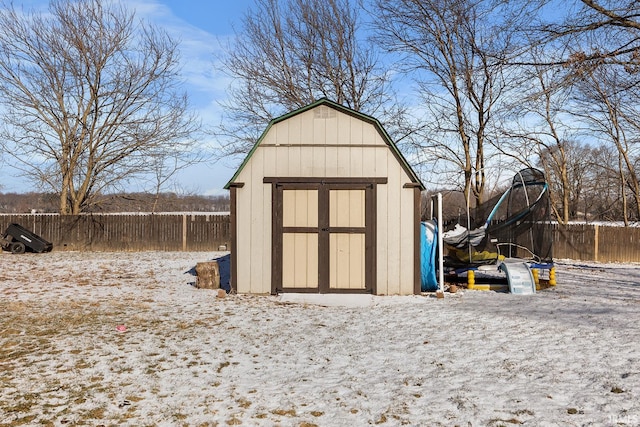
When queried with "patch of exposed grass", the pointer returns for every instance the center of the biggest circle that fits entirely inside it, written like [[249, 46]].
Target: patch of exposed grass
[[501, 423], [284, 412], [381, 420], [244, 403], [21, 421], [23, 405], [95, 414]]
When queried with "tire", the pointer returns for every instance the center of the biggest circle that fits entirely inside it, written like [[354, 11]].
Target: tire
[[17, 248]]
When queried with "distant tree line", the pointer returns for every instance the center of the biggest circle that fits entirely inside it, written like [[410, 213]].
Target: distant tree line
[[112, 203]]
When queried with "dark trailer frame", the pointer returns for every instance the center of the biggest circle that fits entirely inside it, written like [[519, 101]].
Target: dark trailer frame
[[17, 239]]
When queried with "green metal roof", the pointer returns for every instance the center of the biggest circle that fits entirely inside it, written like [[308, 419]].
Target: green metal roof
[[343, 109]]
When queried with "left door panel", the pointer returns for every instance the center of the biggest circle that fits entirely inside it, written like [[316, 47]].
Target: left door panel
[[300, 238]]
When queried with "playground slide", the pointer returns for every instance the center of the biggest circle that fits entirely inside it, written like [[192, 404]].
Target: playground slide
[[519, 276], [428, 249]]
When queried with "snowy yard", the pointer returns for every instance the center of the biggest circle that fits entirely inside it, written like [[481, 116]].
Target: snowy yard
[[569, 356]]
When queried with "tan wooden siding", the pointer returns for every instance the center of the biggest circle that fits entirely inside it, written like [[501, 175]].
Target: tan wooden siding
[[395, 230], [339, 129], [254, 229], [393, 244], [317, 162]]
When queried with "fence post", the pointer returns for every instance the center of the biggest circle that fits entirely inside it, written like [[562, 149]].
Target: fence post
[[184, 232], [595, 242]]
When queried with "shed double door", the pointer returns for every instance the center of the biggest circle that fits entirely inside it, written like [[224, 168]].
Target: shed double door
[[323, 237]]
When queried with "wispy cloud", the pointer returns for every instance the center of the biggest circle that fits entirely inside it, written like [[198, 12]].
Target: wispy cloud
[[206, 84], [200, 50]]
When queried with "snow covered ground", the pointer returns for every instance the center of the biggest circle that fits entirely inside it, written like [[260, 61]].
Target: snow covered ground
[[125, 339]]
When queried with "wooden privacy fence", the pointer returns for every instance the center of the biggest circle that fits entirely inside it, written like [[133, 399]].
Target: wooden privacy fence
[[128, 232], [594, 242], [207, 232]]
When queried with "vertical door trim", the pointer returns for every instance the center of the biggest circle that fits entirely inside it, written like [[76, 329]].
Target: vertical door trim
[[323, 239], [276, 237], [233, 201], [371, 244], [417, 257], [417, 218]]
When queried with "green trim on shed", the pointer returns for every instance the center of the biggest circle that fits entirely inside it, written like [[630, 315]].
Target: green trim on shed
[[324, 101]]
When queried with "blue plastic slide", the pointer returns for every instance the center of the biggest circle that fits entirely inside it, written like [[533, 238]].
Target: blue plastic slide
[[428, 250]]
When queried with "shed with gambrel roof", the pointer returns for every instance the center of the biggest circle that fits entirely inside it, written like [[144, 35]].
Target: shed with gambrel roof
[[325, 202]]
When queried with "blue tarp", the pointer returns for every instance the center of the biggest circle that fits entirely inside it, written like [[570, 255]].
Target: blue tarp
[[224, 264], [428, 249]]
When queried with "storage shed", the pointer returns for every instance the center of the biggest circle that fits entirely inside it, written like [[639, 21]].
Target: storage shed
[[325, 203]]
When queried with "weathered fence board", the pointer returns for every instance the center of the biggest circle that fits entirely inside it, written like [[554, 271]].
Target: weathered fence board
[[161, 232], [574, 242], [618, 244]]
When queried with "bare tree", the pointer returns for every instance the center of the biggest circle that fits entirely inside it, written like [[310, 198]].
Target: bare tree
[[91, 99], [456, 50], [607, 101], [569, 170], [602, 183], [539, 132], [290, 53]]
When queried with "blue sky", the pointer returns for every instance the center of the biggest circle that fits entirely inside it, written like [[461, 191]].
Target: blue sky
[[214, 16], [203, 27]]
